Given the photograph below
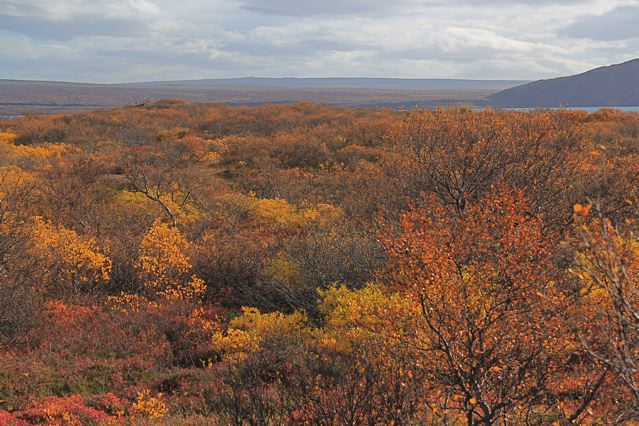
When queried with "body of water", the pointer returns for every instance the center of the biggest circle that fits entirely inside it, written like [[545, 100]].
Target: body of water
[[624, 109], [588, 109]]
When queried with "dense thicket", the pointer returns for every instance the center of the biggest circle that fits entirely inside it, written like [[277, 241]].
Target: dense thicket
[[180, 263]]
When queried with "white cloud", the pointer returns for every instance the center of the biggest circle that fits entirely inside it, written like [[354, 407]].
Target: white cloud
[[125, 40], [69, 10], [324, 7]]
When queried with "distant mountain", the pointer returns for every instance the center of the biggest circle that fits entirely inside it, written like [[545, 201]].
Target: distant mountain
[[16, 96], [615, 85], [339, 83]]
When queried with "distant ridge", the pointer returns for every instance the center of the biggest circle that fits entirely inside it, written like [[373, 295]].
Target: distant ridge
[[610, 86], [17, 96], [340, 83]]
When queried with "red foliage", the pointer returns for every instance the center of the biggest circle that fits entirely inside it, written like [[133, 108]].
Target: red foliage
[[71, 410]]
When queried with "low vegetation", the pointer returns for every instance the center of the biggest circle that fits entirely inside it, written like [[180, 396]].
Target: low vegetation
[[179, 263]]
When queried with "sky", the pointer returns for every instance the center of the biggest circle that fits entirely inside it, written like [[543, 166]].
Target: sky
[[107, 41]]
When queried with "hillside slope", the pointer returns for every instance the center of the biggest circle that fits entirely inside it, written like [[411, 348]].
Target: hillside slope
[[615, 85]]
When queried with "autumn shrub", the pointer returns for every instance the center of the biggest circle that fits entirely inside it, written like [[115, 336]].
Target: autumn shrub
[[352, 155], [257, 265], [72, 410], [258, 348], [281, 369], [165, 267], [240, 152], [66, 261], [301, 153], [187, 327], [325, 252], [458, 154], [607, 266], [176, 263], [231, 263], [20, 301], [88, 350], [40, 136], [9, 419], [17, 194], [83, 349], [358, 371], [148, 406], [21, 312], [489, 292]]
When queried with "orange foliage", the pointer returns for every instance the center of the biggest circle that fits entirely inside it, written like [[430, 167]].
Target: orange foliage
[[492, 306], [506, 261]]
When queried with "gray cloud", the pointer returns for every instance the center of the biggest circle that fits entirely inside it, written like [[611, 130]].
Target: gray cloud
[[621, 23], [136, 40], [64, 10], [324, 7], [64, 31], [66, 19], [372, 7]]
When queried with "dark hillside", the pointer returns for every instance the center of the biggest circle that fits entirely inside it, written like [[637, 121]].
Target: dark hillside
[[615, 85]]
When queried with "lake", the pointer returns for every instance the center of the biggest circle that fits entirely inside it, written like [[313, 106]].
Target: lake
[[588, 109]]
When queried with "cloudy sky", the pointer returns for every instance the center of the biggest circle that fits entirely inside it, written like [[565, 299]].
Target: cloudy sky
[[142, 40]]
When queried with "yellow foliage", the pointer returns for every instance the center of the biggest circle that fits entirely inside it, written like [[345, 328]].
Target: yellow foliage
[[13, 182], [187, 213], [370, 307], [360, 319], [190, 290], [235, 345], [127, 303], [601, 263], [147, 406], [323, 213], [57, 415], [12, 177], [162, 254], [247, 333], [7, 137], [364, 317], [281, 212], [138, 199], [215, 148], [284, 270], [38, 156], [274, 210], [67, 259], [164, 265], [174, 133]]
